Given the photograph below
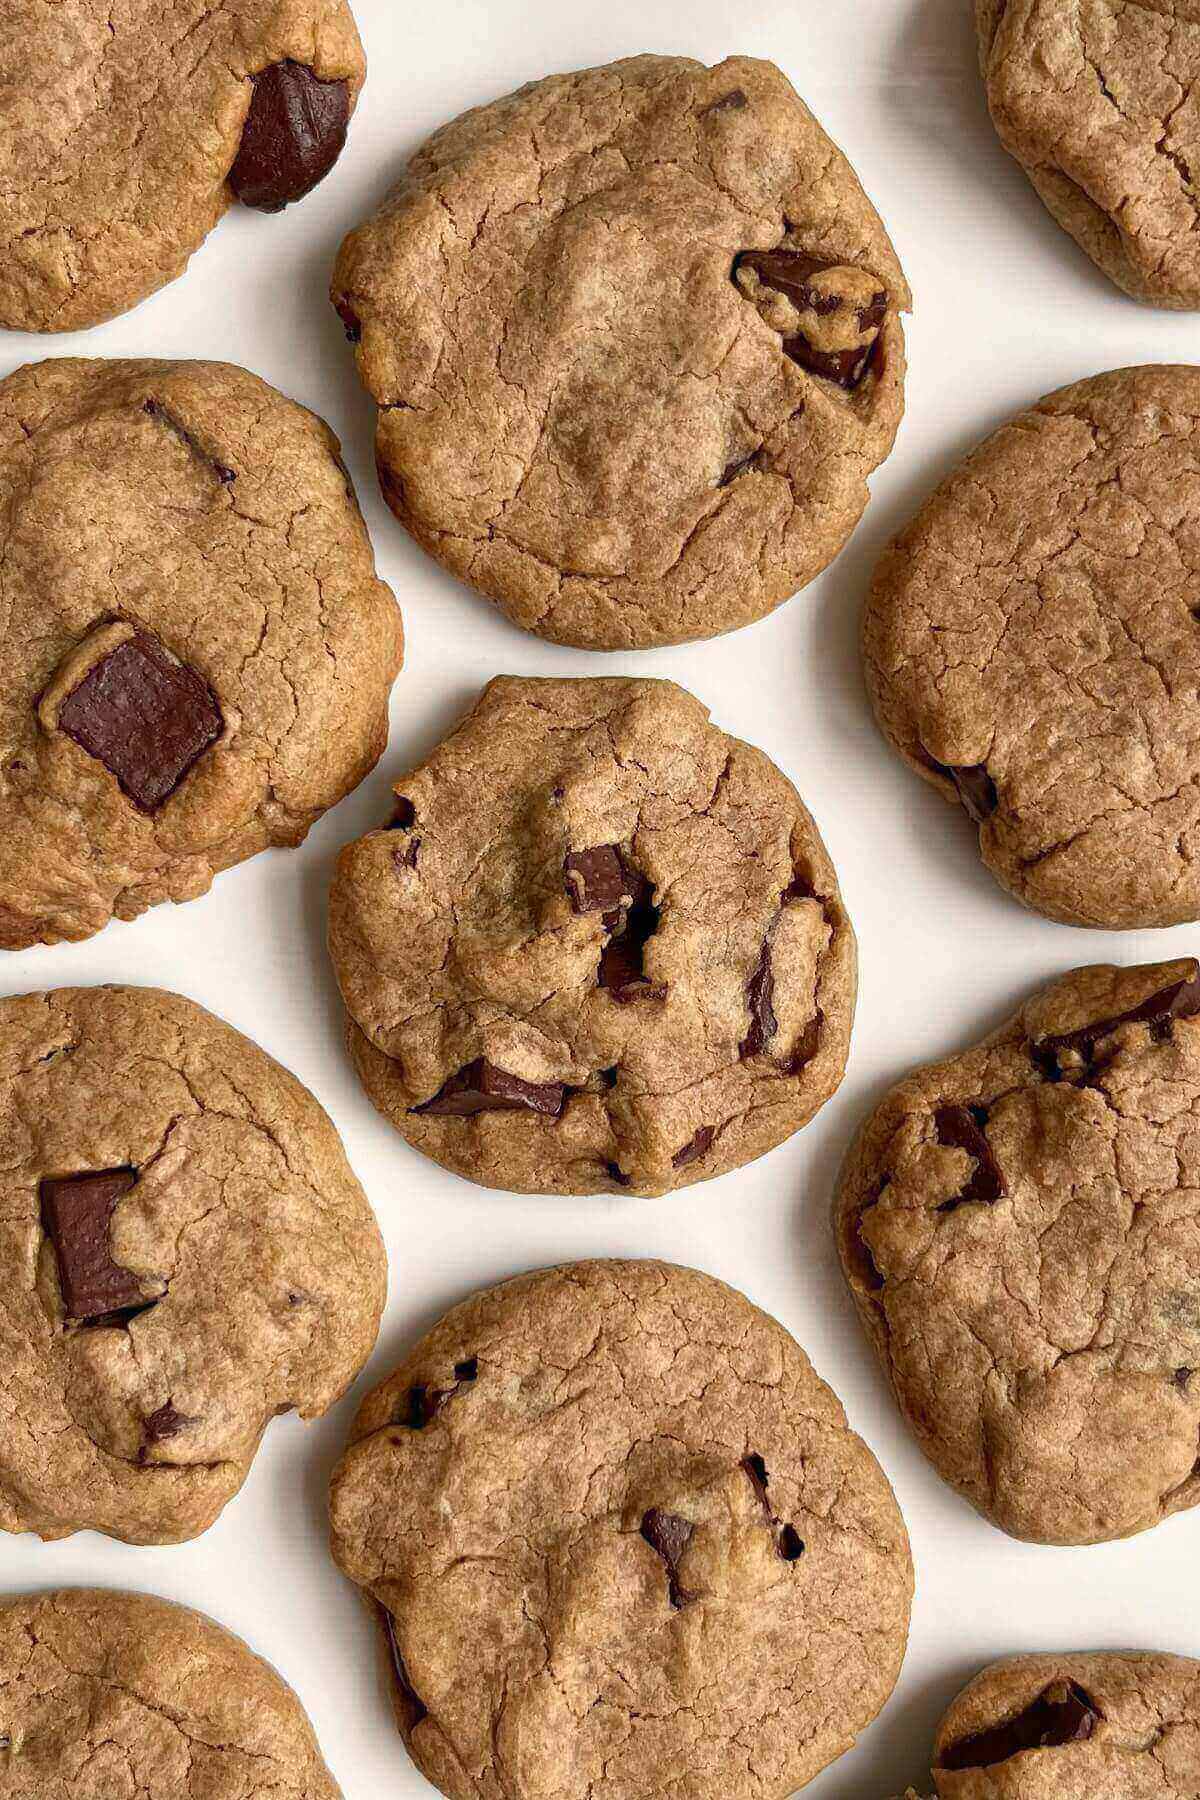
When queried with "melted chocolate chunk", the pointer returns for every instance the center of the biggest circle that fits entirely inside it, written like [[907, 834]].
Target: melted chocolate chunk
[[482, 1087], [293, 135], [756, 1469], [806, 1047], [760, 996], [160, 1426], [157, 410], [1182, 1379], [738, 467], [791, 272], [791, 1544], [962, 1128], [976, 789], [468, 1370], [788, 1543], [695, 1148], [1062, 1714], [146, 717], [1051, 1054], [669, 1536], [616, 1173], [404, 814], [76, 1211], [734, 101], [631, 926], [597, 880], [350, 320], [423, 1403], [412, 1708]]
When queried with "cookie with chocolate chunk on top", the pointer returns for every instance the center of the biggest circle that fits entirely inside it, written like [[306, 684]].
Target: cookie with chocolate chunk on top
[[599, 948]]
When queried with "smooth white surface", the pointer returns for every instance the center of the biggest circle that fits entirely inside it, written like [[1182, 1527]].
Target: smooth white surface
[[1006, 309]]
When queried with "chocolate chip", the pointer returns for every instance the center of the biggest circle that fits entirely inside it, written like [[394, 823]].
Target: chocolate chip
[[421, 1404], [631, 926], [1182, 1379], [1181, 1000], [1062, 1714], [754, 1466], [161, 1425], [293, 135], [76, 1210], [791, 1544], [468, 1370], [350, 319], [976, 789], [165, 416], [669, 1536], [962, 1128], [597, 880], [695, 1148], [616, 1173], [795, 274], [760, 995], [788, 1543], [411, 1705], [146, 717], [738, 467], [482, 1087], [734, 101], [806, 1046]]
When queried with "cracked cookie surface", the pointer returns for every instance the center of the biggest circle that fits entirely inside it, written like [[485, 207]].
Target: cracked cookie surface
[[198, 652], [127, 127], [105, 1696], [635, 338], [611, 1521], [1097, 100], [186, 1254], [1032, 646], [1019, 1227], [600, 947]]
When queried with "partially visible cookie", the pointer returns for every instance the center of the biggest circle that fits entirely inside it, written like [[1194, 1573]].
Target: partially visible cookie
[[621, 1541], [184, 1253], [197, 652], [599, 948], [126, 131], [1032, 646], [1097, 103], [634, 334], [1020, 1228], [105, 1695]]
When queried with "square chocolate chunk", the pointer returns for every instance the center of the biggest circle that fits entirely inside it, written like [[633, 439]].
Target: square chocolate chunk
[[76, 1211]]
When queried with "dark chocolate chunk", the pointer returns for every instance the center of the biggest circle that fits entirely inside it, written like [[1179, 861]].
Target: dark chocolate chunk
[[791, 1544], [596, 879], [756, 1469], [788, 1542], [146, 717], [669, 1536], [962, 1128], [1182, 1379], [738, 467], [410, 1705], [631, 926], [482, 1087], [421, 1404], [404, 814], [806, 1046], [160, 1426], [695, 1148], [350, 320], [1181, 1000], [734, 101], [1062, 1714], [976, 789], [293, 135], [616, 1173], [468, 1370], [76, 1211], [760, 995], [791, 272], [165, 416]]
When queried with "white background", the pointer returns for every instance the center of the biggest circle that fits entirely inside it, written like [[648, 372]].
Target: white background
[[1005, 310]]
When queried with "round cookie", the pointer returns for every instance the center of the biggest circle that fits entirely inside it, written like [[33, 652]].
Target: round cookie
[[635, 338], [1032, 646], [107, 1694], [1096, 103], [1020, 1226], [611, 1521], [198, 654], [127, 129], [186, 1253], [600, 946]]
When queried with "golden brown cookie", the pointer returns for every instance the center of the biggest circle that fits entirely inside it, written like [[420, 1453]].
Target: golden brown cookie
[[198, 654], [1020, 1227], [635, 338], [611, 1522], [185, 1254], [1095, 99], [128, 126], [600, 946], [1032, 648], [106, 1695]]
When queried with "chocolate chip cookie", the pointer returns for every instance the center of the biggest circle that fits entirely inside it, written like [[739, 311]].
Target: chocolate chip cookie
[[1095, 101], [127, 129], [185, 1253], [1019, 1226], [600, 946], [1033, 649], [105, 1695], [610, 1521], [198, 654], [634, 334]]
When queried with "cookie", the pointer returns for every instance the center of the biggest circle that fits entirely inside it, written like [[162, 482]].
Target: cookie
[[610, 1521], [1074, 1727], [1095, 102], [599, 948], [635, 338], [127, 130], [185, 1251], [1018, 1226], [198, 654], [107, 1694], [1032, 647]]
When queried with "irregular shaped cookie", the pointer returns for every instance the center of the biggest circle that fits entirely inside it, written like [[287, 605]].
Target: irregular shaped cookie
[[185, 1253], [104, 1695], [1095, 99], [126, 130], [1032, 647], [610, 1520], [599, 947], [1020, 1226], [635, 338], [198, 654]]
